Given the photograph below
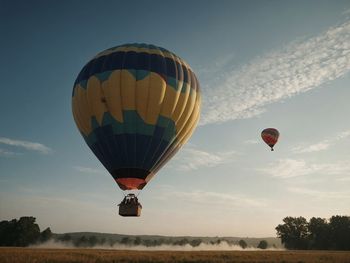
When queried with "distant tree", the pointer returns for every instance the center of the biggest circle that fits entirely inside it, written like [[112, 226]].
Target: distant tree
[[7, 232], [263, 244], [231, 242], [111, 242], [45, 235], [227, 241], [168, 241], [22, 232], [102, 241], [92, 241], [242, 244], [147, 242], [340, 232], [294, 232], [157, 242], [137, 241], [125, 241], [161, 241], [181, 242], [195, 242], [151, 243], [319, 233], [81, 242], [184, 242], [65, 238], [25, 231]]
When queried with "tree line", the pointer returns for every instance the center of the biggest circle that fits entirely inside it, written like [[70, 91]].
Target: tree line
[[91, 241], [315, 234], [22, 232], [25, 232], [295, 233]]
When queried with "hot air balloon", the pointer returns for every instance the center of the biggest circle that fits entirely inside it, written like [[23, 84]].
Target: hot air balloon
[[270, 136], [135, 106]]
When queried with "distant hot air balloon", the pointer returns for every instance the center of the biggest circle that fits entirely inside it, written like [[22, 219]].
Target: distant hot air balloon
[[135, 105], [270, 136]]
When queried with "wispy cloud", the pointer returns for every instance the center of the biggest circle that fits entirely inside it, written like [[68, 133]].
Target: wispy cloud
[[346, 12], [322, 145], [320, 194], [343, 179], [214, 198], [32, 146], [296, 68], [251, 142], [288, 168], [216, 66], [7, 153], [87, 170], [193, 159]]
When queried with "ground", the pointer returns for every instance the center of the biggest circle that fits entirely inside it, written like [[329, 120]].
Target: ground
[[31, 255]]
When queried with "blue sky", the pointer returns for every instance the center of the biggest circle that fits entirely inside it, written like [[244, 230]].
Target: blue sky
[[260, 64]]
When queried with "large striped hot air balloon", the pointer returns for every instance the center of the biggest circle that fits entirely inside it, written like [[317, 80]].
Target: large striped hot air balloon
[[135, 105], [270, 136]]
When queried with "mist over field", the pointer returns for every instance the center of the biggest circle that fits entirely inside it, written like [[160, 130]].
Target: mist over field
[[223, 246]]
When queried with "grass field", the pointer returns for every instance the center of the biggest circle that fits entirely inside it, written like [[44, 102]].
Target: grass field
[[34, 255]]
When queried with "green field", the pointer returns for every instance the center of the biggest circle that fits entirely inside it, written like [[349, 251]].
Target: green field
[[32, 255]]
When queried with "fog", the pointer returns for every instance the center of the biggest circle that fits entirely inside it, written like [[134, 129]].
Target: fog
[[224, 246]]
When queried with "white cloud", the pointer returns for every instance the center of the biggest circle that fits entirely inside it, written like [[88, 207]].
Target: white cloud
[[296, 68], [87, 170], [251, 142], [322, 145], [288, 168], [32, 146], [193, 159]]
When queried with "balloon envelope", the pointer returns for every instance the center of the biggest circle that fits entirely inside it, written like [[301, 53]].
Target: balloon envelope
[[135, 105], [270, 136]]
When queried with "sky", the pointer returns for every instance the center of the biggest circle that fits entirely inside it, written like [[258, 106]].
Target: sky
[[270, 63]]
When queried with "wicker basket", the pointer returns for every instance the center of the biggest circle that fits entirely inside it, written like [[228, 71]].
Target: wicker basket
[[130, 209]]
